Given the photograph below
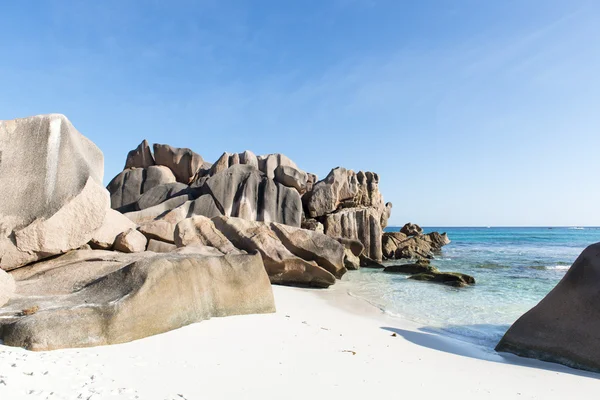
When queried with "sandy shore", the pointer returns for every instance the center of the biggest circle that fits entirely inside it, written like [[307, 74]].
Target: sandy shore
[[320, 344]]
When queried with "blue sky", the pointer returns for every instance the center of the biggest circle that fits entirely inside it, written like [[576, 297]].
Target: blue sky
[[472, 112]]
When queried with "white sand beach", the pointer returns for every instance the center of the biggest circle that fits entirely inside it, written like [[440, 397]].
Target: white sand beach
[[319, 344]]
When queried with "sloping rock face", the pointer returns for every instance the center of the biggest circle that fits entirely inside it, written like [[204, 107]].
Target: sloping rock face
[[113, 225], [282, 266], [52, 199], [200, 230], [183, 162], [243, 191], [149, 296], [140, 157], [327, 252], [45, 163], [564, 327], [129, 186]]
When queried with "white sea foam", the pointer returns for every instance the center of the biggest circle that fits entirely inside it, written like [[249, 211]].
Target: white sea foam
[[558, 267]]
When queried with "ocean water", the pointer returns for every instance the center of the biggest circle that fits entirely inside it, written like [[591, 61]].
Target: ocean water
[[514, 269]]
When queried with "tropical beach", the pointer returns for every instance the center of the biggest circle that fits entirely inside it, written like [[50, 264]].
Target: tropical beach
[[271, 199], [317, 344]]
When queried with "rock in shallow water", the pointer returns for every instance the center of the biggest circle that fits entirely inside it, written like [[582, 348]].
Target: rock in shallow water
[[447, 278], [153, 295], [416, 268], [565, 326]]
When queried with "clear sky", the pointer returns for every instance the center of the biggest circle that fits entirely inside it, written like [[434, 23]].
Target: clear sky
[[473, 112]]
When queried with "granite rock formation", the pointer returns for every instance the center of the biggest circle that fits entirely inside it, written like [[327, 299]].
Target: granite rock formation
[[564, 326], [51, 177], [152, 295]]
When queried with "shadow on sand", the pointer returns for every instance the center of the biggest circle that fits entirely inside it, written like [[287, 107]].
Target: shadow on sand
[[430, 338]]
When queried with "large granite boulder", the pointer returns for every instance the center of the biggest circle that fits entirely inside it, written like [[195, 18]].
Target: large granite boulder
[[140, 157], [131, 241], [397, 245], [437, 240], [120, 301], [182, 161], [390, 242], [128, 187], [48, 171], [113, 225], [414, 248], [565, 326], [7, 287], [199, 230], [344, 188], [243, 191], [362, 224], [411, 229], [327, 252], [70, 227], [282, 266], [44, 163]]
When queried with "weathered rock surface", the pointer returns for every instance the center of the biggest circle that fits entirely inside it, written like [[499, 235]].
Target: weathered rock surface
[[150, 296], [182, 161], [199, 230], [282, 266], [140, 157], [564, 327], [45, 162], [327, 252], [114, 224], [46, 168], [204, 206], [131, 241], [160, 247], [411, 229], [355, 246], [312, 225], [343, 188], [415, 248], [160, 194], [419, 267], [7, 287], [362, 224], [390, 243], [437, 240], [366, 262], [159, 230], [243, 191], [152, 213], [351, 261], [127, 187], [447, 278], [291, 177], [70, 227]]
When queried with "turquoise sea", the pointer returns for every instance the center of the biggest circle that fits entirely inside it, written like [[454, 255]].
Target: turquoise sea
[[514, 269]]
